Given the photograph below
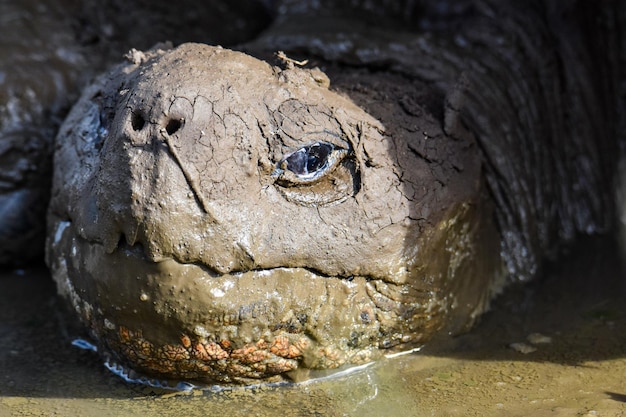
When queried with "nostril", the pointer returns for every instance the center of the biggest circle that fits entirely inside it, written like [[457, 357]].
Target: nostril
[[172, 126], [122, 242], [124, 245], [137, 121]]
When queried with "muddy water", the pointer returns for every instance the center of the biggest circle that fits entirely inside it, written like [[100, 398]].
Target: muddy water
[[579, 369]]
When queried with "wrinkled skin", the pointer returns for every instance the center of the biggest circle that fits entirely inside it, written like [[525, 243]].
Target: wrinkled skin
[[191, 247]]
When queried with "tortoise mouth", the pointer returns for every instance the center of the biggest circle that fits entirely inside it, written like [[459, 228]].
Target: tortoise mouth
[[137, 249], [185, 322]]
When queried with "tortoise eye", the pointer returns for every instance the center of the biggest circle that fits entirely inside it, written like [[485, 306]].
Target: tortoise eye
[[308, 162], [317, 174]]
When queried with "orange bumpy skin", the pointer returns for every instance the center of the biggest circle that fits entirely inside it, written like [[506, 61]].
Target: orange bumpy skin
[[193, 359], [218, 219]]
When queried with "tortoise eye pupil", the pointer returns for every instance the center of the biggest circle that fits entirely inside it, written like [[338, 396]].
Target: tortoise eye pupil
[[309, 159], [317, 156]]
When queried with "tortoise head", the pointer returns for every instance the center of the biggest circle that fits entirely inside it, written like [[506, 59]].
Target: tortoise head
[[215, 218]]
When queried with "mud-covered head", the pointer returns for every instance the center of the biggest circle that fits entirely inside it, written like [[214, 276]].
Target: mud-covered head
[[220, 219]]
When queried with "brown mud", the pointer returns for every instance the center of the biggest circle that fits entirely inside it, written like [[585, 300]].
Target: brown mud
[[188, 257], [578, 304]]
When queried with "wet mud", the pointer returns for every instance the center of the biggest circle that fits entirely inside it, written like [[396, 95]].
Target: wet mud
[[194, 250], [578, 305]]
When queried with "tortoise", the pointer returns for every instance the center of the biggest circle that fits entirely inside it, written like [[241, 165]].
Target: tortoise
[[217, 218]]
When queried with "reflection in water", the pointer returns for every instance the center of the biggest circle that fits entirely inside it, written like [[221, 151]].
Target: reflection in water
[[132, 377], [84, 344]]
